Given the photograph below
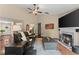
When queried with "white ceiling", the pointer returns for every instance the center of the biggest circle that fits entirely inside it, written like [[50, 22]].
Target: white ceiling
[[54, 9]]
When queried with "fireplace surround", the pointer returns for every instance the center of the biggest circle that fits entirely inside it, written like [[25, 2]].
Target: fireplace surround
[[67, 39], [69, 36]]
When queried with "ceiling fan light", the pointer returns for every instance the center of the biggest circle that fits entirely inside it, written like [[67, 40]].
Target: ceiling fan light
[[34, 12]]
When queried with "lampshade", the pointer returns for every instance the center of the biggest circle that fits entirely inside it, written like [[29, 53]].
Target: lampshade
[[16, 28]]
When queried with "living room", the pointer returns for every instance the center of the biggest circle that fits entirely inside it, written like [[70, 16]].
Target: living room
[[19, 17]]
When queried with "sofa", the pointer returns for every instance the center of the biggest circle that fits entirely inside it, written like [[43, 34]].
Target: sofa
[[49, 43], [75, 49]]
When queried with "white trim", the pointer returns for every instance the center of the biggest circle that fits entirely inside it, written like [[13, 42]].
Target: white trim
[[64, 45]]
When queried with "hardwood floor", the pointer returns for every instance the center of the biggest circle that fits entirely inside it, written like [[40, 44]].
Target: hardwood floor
[[5, 39], [39, 40], [64, 50], [1, 48]]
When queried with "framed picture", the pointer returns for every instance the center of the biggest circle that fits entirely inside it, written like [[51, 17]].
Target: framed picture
[[49, 26]]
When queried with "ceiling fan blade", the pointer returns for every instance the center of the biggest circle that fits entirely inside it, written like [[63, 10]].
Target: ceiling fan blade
[[30, 12], [37, 8], [39, 12], [29, 8], [46, 12]]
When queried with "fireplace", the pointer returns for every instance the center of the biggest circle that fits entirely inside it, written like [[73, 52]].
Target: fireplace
[[67, 39]]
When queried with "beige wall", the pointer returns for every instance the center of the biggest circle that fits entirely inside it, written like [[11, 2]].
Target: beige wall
[[45, 19], [30, 19], [17, 13]]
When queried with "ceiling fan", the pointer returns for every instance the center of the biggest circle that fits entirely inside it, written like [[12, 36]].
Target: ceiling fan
[[35, 10]]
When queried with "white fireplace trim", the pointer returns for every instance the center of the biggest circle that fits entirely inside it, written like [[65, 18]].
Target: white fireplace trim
[[71, 31], [65, 45]]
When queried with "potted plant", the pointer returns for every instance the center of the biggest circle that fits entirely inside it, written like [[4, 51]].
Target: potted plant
[[1, 31]]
